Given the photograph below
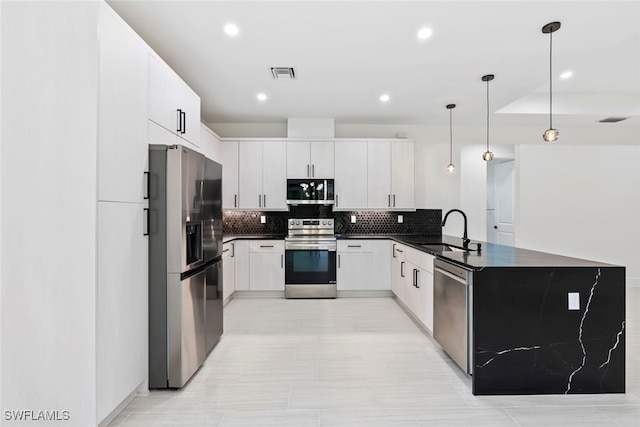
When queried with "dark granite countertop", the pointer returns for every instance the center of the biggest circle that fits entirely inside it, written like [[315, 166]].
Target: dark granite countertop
[[490, 255], [494, 255], [230, 237]]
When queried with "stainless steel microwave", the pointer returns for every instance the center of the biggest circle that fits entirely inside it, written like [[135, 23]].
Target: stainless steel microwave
[[310, 191]]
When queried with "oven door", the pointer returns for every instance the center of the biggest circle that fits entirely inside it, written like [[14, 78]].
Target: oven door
[[309, 267], [310, 273]]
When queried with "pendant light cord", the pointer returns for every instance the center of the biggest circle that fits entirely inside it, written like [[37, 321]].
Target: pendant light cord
[[450, 136], [487, 115], [550, 81]]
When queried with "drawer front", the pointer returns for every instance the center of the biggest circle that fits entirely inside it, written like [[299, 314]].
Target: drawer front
[[266, 246], [420, 259], [354, 246]]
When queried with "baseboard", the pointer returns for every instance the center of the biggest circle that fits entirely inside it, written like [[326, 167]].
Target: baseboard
[[378, 293], [257, 294], [105, 422]]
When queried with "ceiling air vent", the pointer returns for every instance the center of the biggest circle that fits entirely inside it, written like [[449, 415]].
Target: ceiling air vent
[[613, 119], [283, 73]]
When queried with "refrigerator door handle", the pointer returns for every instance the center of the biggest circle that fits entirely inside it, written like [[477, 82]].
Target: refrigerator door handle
[[145, 227], [179, 130], [146, 186]]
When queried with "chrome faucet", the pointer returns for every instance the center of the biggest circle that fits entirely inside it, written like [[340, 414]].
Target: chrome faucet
[[465, 239]]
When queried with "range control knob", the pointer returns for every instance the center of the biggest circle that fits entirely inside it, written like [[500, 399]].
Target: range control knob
[[324, 222], [297, 222], [291, 221]]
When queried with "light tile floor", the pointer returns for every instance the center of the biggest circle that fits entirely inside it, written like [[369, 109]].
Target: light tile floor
[[358, 362]]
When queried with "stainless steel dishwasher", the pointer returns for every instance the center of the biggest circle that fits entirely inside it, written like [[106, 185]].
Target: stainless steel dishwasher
[[452, 316]]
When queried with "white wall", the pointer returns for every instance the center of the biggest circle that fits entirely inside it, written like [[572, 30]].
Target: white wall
[[582, 202], [1, 405], [49, 129]]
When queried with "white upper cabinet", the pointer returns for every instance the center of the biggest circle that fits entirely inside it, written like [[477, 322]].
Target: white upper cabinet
[[402, 175], [350, 175], [262, 178], [379, 174], [230, 192], [122, 147], [172, 105], [274, 175], [310, 159], [391, 171]]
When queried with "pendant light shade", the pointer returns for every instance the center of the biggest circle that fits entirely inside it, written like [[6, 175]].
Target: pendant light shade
[[451, 167], [487, 156], [551, 134]]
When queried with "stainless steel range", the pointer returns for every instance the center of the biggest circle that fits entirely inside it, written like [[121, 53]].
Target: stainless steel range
[[310, 259]]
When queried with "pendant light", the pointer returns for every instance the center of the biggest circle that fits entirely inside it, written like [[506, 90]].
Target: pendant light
[[451, 167], [487, 156], [551, 134]]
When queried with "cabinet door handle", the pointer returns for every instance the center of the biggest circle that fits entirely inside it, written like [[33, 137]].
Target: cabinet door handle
[[389, 200], [259, 200], [281, 260], [179, 121], [354, 246], [313, 171], [308, 176], [401, 268], [264, 200], [235, 200], [183, 116], [393, 250], [394, 200], [266, 246], [233, 250], [338, 260], [145, 231], [336, 196]]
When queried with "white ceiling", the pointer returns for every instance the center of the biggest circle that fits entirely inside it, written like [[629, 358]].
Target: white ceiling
[[347, 53]]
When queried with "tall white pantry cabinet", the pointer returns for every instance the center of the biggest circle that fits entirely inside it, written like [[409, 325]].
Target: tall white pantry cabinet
[[74, 254]]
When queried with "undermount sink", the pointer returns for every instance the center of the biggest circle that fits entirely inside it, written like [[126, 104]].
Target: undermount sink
[[443, 248]]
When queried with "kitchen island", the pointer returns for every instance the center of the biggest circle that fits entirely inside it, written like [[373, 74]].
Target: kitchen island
[[540, 323]]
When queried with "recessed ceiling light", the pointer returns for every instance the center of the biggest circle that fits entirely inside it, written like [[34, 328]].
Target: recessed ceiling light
[[231, 29], [566, 75], [425, 33], [261, 97], [384, 97]]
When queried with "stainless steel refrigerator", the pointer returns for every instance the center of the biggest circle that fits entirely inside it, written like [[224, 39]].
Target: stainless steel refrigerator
[[185, 263]]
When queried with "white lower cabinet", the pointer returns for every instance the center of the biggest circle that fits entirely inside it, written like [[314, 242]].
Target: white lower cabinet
[[228, 270], [362, 265], [412, 281], [266, 265], [241, 264], [354, 270], [397, 269]]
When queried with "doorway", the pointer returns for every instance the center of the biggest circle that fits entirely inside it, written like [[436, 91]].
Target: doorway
[[500, 201]]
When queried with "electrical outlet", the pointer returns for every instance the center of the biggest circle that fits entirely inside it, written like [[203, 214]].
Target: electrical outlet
[[353, 219], [574, 301], [400, 219], [263, 219]]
